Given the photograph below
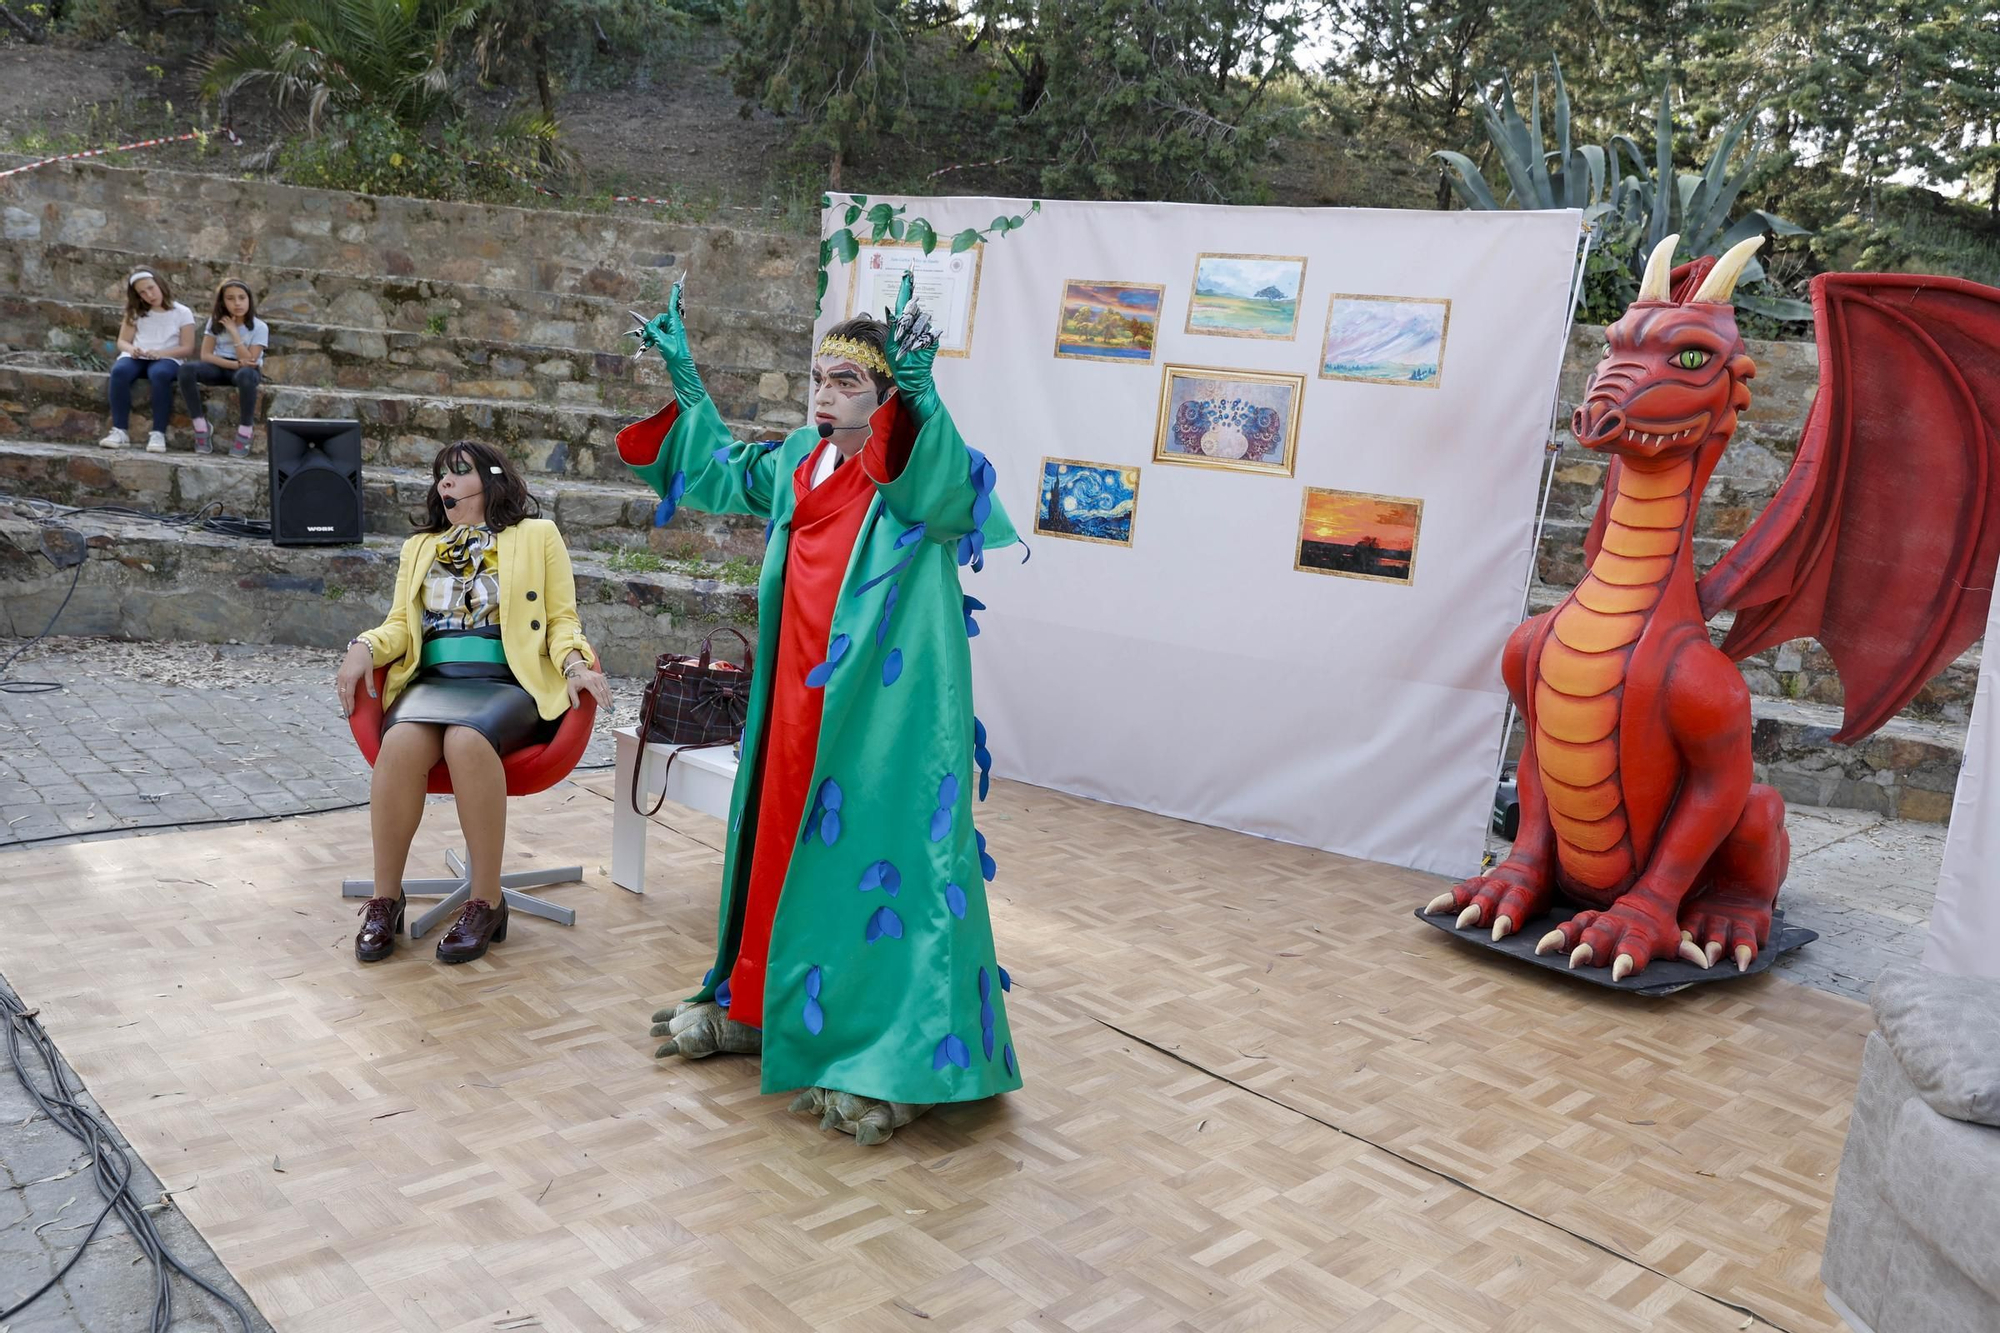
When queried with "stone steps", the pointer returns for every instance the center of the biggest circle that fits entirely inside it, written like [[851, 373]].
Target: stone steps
[[148, 581], [601, 515], [342, 357], [156, 215], [64, 404], [726, 334]]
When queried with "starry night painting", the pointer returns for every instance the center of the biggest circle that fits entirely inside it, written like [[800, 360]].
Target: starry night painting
[[1087, 502], [1386, 340], [1358, 536]]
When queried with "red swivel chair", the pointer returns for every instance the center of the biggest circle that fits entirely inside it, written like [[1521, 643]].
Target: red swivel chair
[[530, 769]]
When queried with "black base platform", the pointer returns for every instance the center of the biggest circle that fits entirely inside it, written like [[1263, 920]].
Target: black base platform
[[1662, 977]]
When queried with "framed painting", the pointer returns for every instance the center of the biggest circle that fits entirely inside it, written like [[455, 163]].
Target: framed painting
[[1109, 321], [1355, 535], [1087, 502], [1245, 420], [1247, 296], [1385, 339], [947, 285]]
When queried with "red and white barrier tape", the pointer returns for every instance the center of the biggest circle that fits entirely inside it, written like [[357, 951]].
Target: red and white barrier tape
[[225, 132]]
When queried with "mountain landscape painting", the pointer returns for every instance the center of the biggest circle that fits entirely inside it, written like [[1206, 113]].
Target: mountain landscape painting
[[1386, 339], [1247, 296], [1109, 321]]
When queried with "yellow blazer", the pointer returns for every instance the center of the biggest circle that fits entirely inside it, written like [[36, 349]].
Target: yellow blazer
[[538, 623]]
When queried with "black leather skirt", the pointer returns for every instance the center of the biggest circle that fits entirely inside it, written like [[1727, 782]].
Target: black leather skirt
[[481, 695]]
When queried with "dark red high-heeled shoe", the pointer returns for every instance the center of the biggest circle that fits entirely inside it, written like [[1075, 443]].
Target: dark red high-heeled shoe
[[477, 926], [381, 923]]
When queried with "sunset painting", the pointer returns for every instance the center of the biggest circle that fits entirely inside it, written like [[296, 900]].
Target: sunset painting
[[1109, 321], [1359, 536]]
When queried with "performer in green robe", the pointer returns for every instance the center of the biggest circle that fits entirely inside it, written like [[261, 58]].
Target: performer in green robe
[[853, 946]]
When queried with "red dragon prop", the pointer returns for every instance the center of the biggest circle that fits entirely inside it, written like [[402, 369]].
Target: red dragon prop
[[1637, 803]]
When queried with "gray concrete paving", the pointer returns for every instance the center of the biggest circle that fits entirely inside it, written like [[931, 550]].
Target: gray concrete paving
[[48, 1200]]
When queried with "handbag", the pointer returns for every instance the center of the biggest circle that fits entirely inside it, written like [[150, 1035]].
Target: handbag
[[695, 703]]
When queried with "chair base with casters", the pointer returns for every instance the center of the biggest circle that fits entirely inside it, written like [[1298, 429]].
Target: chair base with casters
[[455, 891], [530, 769]]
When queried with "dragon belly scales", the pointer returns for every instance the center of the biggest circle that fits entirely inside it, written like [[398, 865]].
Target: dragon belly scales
[[1580, 678]]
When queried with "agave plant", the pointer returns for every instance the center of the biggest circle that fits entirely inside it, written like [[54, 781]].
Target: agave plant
[[1634, 210]]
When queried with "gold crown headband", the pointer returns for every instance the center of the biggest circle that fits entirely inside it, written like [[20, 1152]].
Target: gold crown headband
[[860, 353]]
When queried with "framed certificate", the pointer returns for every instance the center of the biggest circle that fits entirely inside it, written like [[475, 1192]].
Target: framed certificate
[[947, 285]]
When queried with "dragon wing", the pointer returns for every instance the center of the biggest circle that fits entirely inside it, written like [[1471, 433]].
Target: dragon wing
[[1882, 541]]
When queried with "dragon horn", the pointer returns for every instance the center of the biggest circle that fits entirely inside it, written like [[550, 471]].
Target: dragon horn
[[1659, 271], [1720, 284]]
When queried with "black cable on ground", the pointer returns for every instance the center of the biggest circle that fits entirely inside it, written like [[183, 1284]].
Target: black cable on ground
[[38, 686], [111, 1169]]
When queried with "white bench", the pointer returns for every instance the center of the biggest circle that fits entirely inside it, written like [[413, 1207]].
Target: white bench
[[700, 780]]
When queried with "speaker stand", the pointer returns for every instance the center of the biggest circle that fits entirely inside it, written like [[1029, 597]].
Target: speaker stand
[[455, 891]]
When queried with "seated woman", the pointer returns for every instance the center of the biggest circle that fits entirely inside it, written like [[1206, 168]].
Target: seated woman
[[232, 352], [485, 654], [156, 336]]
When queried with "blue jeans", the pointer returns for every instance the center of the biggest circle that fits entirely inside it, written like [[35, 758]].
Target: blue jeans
[[160, 375]]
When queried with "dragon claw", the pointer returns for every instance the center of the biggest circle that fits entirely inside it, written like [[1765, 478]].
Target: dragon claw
[[1551, 942], [1714, 951], [1469, 917], [1691, 952], [1622, 966], [1440, 903], [1744, 953], [1580, 956], [1502, 927]]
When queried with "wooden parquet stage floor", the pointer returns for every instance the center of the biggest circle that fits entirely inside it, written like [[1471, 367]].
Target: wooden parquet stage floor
[[1259, 1096]]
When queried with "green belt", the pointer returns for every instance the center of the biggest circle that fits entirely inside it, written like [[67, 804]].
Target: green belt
[[463, 648]]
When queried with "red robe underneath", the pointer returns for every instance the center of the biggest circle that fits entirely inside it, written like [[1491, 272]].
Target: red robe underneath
[[824, 525]]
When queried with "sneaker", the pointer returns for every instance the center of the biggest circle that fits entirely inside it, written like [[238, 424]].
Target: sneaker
[[115, 439], [241, 448], [201, 445], [156, 443]]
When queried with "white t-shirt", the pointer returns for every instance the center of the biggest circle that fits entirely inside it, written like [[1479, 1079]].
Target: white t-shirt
[[257, 335], [160, 330]]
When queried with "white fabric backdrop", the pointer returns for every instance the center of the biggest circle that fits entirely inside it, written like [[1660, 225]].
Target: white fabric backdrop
[[1965, 920], [1196, 673]]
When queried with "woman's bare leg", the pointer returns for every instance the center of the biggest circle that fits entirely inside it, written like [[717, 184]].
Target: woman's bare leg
[[396, 798], [479, 783]]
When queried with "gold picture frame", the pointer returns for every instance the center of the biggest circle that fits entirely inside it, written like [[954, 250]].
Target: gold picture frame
[[1220, 315], [1420, 347], [1073, 345], [1229, 409], [1045, 524], [1366, 557], [977, 256]]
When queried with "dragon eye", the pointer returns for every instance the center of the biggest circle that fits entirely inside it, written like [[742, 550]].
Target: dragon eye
[[1691, 358]]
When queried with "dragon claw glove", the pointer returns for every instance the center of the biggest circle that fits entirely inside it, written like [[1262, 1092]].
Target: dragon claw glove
[[668, 333], [913, 343]]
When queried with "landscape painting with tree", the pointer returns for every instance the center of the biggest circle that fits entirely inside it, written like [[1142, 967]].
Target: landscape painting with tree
[[1359, 536], [1087, 502], [1247, 296], [1109, 321]]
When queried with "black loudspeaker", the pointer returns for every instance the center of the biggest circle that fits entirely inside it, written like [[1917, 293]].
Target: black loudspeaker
[[315, 482]]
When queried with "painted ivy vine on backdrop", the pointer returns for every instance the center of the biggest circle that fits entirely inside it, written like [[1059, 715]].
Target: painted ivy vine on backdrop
[[888, 222]]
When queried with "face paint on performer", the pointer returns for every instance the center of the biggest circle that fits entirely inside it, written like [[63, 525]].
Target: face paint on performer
[[462, 489], [844, 397]]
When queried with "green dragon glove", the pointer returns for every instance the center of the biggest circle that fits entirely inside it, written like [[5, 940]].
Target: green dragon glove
[[668, 333], [913, 343]]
